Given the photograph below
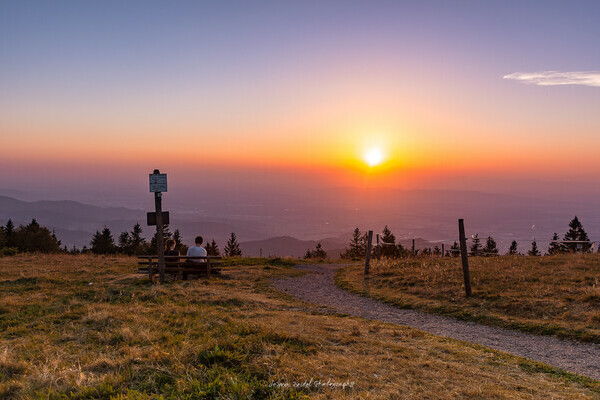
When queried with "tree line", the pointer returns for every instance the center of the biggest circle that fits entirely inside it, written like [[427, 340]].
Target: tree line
[[36, 238], [388, 247]]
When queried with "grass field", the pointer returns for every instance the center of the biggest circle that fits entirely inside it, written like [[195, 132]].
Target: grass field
[[554, 295], [80, 327]]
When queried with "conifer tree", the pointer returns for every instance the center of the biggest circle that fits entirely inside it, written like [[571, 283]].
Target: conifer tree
[[437, 251], [476, 246], [125, 243], [9, 231], [556, 247], [576, 233], [513, 248], [138, 243], [491, 247], [319, 252], [534, 249], [357, 246], [455, 250], [212, 249], [388, 240], [103, 242], [34, 237], [232, 248]]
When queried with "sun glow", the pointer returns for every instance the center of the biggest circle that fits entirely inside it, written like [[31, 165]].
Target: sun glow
[[373, 157]]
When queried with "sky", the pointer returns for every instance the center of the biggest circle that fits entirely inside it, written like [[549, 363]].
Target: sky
[[499, 96]]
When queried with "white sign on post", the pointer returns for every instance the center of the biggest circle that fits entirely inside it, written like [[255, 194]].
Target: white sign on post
[[158, 182]]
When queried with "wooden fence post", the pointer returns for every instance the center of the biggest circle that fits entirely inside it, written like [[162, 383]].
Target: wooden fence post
[[368, 252], [443, 252], [464, 256], [413, 247]]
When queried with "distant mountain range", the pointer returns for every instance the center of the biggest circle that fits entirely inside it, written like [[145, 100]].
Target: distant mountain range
[[289, 223]]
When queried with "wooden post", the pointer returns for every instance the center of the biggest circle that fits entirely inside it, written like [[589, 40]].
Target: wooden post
[[368, 252], [413, 248], [378, 248], [443, 252], [464, 256], [160, 240]]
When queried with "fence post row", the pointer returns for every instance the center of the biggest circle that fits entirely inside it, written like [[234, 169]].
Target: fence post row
[[464, 256]]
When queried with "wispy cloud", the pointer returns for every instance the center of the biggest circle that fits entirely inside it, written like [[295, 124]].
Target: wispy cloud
[[553, 78]]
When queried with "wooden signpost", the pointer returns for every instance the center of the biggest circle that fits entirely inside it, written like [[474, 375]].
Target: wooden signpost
[[158, 184]]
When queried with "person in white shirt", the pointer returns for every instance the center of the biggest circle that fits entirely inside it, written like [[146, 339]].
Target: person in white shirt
[[197, 251]]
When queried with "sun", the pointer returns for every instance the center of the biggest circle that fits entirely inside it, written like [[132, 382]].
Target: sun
[[373, 157]]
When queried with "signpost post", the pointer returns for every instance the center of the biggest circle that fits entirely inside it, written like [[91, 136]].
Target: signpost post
[[158, 184]]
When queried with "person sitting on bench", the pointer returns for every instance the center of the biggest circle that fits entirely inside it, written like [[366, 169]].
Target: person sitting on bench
[[197, 251], [170, 248]]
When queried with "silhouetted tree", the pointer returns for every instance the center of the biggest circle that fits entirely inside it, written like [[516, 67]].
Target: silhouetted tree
[[125, 243], [232, 248], [534, 249], [576, 233], [556, 247], [512, 250], [455, 250], [388, 243], [9, 231], [491, 247], [212, 249], [357, 246], [476, 246], [34, 238], [437, 251], [103, 242], [138, 243], [318, 252]]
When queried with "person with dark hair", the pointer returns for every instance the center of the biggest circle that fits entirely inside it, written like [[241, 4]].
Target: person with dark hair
[[170, 248], [197, 251]]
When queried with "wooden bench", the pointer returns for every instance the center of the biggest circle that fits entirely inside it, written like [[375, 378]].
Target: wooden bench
[[180, 265]]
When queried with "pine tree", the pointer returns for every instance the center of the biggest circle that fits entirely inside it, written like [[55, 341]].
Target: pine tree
[[576, 233], [35, 238], [177, 238], [491, 247], [357, 246], [556, 247], [513, 248], [437, 251], [2, 237], [308, 255], [388, 240], [138, 243], [232, 248], [125, 243], [319, 252], [103, 243], [212, 249], [455, 250], [534, 249], [476, 246], [9, 231]]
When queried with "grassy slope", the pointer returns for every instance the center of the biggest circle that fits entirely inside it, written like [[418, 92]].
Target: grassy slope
[[555, 295], [87, 327]]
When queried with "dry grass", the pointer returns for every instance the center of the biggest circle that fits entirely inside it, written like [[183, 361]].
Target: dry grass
[[86, 327], [557, 295]]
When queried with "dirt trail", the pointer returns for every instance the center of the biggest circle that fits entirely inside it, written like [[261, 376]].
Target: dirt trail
[[318, 288]]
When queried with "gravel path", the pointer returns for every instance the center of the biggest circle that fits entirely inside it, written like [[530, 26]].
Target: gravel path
[[318, 288]]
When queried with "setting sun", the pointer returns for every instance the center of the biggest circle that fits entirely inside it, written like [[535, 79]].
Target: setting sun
[[373, 157]]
